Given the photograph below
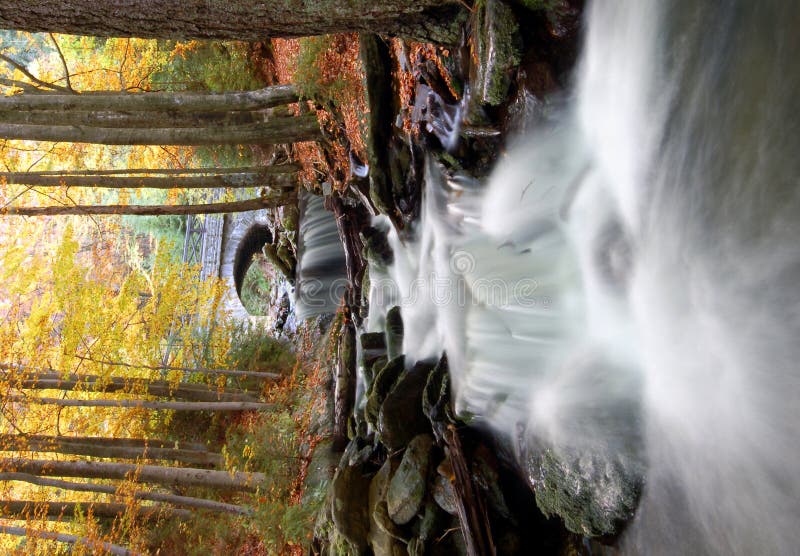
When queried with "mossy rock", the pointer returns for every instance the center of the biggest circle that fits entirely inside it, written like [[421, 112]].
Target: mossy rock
[[595, 494], [496, 43], [381, 386]]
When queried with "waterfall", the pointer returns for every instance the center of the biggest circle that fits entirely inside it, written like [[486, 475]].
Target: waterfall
[[621, 300], [321, 272]]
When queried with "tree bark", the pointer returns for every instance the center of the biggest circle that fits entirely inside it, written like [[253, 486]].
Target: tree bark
[[152, 210], [174, 499], [128, 442], [426, 20], [144, 404], [92, 544], [160, 171], [276, 130], [270, 176], [127, 119], [89, 447], [22, 509], [199, 370], [169, 476], [163, 102], [162, 388]]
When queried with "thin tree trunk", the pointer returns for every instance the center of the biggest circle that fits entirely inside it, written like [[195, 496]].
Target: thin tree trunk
[[200, 370], [127, 442], [95, 545], [152, 210], [86, 447], [127, 119], [104, 101], [169, 476], [265, 178], [162, 388], [174, 499], [157, 171], [277, 130], [23, 509], [144, 404], [191, 370], [426, 20]]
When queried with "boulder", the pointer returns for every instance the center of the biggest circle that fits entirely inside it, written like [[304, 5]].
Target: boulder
[[350, 505], [408, 485], [383, 532], [394, 332], [381, 385], [400, 417]]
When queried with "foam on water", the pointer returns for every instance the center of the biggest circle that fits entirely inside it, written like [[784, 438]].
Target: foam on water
[[638, 256]]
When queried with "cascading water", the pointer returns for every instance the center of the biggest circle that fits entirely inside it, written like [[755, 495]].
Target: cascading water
[[321, 272], [622, 300]]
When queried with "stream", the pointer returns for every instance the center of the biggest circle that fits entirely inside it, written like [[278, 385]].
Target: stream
[[619, 300]]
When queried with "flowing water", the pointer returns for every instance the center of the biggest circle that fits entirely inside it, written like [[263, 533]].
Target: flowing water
[[627, 285]]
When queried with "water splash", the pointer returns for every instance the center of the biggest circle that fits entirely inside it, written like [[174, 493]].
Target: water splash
[[625, 291]]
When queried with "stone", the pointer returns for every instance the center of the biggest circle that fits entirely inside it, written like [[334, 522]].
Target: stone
[[350, 505], [381, 386], [436, 398], [383, 533], [444, 492], [376, 247], [373, 341], [394, 332], [400, 417], [408, 485], [496, 42]]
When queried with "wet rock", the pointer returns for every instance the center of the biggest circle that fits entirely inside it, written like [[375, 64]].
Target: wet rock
[[400, 417], [376, 247], [496, 43], [381, 386], [436, 398], [389, 527], [383, 532], [394, 332], [373, 341], [408, 485], [595, 494], [430, 523], [350, 505], [371, 371], [592, 480], [443, 490]]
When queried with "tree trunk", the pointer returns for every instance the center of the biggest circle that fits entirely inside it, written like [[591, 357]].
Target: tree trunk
[[144, 404], [128, 442], [169, 476], [94, 545], [125, 119], [192, 370], [265, 178], [160, 171], [88, 447], [174, 499], [23, 509], [152, 210], [162, 388], [426, 20], [273, 131], [165, 103]]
